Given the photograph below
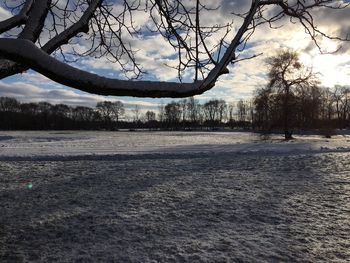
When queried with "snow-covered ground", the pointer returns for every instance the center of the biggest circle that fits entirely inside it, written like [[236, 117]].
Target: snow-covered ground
[[173, 197], [33, 144]]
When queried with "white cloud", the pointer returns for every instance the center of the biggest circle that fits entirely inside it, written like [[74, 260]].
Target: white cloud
[[4, 14], [25, 92]]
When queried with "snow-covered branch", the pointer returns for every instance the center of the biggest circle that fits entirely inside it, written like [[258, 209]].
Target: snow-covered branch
[[26, 53]]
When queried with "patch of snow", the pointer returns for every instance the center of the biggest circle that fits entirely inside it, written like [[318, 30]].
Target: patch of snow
[[83, 143]]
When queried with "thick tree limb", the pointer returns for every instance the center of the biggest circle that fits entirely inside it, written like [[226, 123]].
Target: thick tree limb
[[9, 68], [34, 13], [26, 53], [35, 22]]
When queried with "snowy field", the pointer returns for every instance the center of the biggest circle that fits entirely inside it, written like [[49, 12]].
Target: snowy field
[[60, 144], [173, 197]]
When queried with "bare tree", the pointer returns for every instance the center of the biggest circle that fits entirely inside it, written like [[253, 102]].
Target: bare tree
[[345, 105], [150, 116], [183, 108], [84, 114], [308, 105], [211, 112], [242, 110], [173, 113], [118, 110], [327, 104], [105, 109], [9, 104], [337, 98], [42, 35], [61, 110], [161, 112], [29, 108], [263, 104], [193, 108], [231, 120], [222, 109], [137, 111], [287, 77], [44, 107]]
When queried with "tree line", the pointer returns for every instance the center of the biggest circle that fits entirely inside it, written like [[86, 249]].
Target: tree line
[[311, 108], [292, 99], [111, 115]]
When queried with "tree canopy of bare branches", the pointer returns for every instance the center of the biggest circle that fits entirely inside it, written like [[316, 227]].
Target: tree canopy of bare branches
[[288, 76], [37, 35]]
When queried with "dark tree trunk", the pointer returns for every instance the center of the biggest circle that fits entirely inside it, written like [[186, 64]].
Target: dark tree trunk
[[287, 131]]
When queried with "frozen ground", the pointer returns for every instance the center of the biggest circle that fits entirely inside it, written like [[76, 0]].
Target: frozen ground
[[173, 197], [59, 144]]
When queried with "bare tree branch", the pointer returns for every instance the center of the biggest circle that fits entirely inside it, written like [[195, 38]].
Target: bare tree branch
[[80, 26], [24, 51], [35, 21], [18, 19], [229, 56], [11, 68]]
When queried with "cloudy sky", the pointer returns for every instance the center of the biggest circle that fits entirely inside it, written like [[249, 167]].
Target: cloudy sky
[[155, 55]]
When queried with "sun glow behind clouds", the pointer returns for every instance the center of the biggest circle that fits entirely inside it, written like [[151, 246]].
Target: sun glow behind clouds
[[333, 69]]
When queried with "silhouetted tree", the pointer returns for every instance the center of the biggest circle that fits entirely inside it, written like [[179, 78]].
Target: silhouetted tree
[[222, 110], [345, 106], [150, 116], [327, 105], [161, 112], [231, 113], [211, 110], [9, 104], [83, 114], [263, 103], [105, 109], [30, 108], [242, 110], [117, 108], [193, 109], [287, 75], [173, 114], [136, 111]]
